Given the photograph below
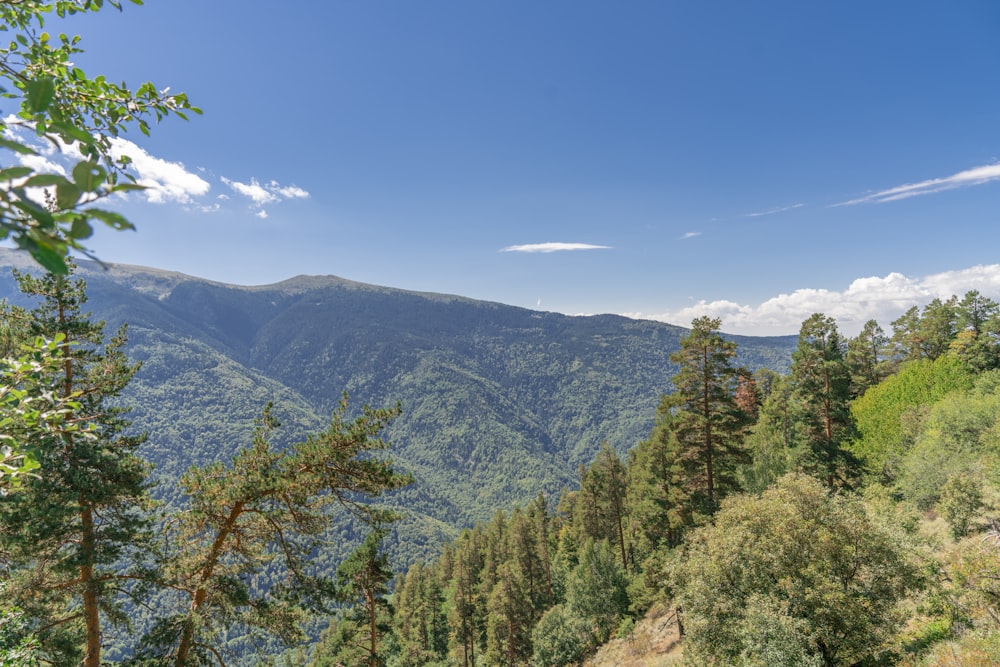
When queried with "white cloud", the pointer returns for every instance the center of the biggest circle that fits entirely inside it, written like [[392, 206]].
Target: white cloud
[[287, 191], [253, 191], [552, 247], [269, 193], [969, 177], [164, 181], [42, 164], [690, 235], [879, 298]]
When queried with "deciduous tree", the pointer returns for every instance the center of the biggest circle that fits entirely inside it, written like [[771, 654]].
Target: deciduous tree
[[813, 569]]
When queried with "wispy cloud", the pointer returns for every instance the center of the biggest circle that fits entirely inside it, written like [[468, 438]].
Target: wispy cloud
[[880, 298], [553, 247], [689, 235], [967, 178], [772, 211]]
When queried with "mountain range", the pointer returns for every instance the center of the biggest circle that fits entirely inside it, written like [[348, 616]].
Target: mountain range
[[499, 403]]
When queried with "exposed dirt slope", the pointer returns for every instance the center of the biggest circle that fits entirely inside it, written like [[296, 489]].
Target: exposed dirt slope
[[652, 643]]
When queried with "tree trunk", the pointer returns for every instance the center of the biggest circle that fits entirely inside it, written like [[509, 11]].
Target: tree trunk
[[91, 607], [372, 629], [201, 592]]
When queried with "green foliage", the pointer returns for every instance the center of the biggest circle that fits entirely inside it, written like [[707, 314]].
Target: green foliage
[[600, 508], [61, 106], [30, 412], [796, 569], [19, 647], [971, 582], [821, 382], [772, 637], [560, 638], [777, 440], [597, 590], [884, 415], [959, 437], [708, 423], [865, 358], [340, 644], [420, 623], [71, 524], [267, 506], [961, 499], [657, 511], [509, 620], [363, 581]]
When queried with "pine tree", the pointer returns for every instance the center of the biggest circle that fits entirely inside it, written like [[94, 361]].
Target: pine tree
[[601, 514], [463, 595], [865, 360], [978, 342], [655, 497], [821, 380], [508, 629], [419, 625], [363, 580], [266, 509], [707, 421], [67, 530]]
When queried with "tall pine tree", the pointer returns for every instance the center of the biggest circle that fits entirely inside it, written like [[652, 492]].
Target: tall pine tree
[[65, 533], [822, 382], [707, 421]]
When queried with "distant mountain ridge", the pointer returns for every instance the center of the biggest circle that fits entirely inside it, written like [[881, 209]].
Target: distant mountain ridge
[[499, 403]]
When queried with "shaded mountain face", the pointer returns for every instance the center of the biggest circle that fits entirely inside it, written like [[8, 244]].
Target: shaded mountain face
[[498, 403]]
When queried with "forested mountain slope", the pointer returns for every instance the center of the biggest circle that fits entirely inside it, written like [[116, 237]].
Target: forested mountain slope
[[498, 403]]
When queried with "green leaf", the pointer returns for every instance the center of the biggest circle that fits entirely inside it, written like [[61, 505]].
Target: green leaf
[[44, 180], [67, 195], [17, 147], [51, 260], [40, 94], [110, 218], [15, 172], [71, 132], [37, 212], [81, 228], [89, 176], [128, 187]]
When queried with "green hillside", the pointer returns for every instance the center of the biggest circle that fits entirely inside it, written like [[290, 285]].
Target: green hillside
[[498, 403]]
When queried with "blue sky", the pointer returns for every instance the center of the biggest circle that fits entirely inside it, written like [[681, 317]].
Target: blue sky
[[754, 161]]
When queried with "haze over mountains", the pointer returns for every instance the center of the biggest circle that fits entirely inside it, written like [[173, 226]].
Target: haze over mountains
[[498, 403]]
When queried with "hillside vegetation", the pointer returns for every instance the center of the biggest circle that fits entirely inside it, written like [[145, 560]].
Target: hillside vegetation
[[840, 514], [497, 403], [835, 512]]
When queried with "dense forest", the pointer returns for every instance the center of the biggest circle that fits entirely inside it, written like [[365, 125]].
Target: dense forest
[[840, 514], [836, 514], [497, 403]]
